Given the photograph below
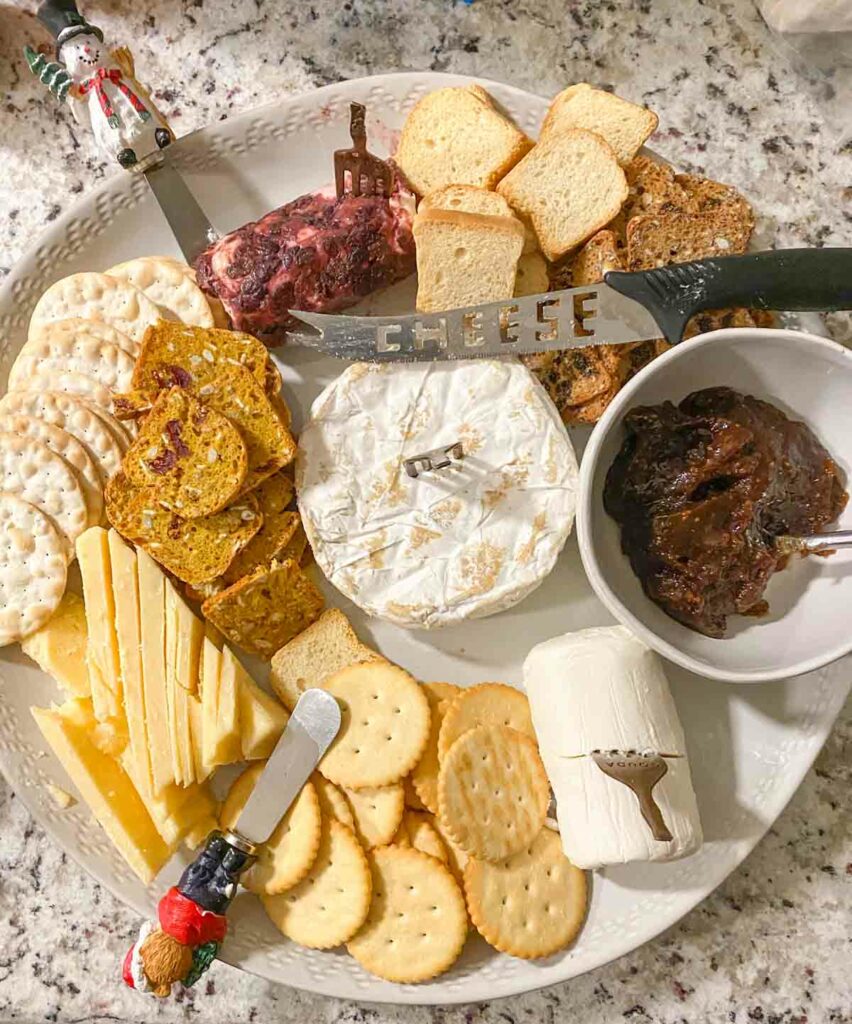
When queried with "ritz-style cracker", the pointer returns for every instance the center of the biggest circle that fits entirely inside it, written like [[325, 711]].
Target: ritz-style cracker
[[286, 857], [493, 791], [530, 905], [484, 704], [424, 775], [377, 812], [417, 923], [385, 725], [331, 902]]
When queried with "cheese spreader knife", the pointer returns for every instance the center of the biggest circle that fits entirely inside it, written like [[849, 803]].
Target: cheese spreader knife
[[627, 307], [191, 922], [100, 85]]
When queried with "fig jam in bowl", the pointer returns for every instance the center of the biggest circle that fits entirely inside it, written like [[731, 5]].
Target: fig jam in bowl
[[714, 449]]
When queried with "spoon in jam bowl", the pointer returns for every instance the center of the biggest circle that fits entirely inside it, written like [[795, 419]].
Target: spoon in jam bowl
[[822, 544]]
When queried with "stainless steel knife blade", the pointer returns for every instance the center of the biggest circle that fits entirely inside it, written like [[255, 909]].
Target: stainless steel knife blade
[[314, 723], [572, 318], [187, 221]]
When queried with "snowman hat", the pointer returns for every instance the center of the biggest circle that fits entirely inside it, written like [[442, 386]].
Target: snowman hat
[[62, 19]]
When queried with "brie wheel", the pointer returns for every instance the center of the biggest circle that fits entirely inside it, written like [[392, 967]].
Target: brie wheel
[[465, 541]]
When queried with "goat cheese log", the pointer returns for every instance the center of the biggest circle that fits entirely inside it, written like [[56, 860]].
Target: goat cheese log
[[317, 253], [613, 747]]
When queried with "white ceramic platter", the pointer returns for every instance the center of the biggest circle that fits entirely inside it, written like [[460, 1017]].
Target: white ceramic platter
[[750, 746]]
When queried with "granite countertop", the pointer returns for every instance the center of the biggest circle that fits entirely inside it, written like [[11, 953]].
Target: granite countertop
[[772, 943]]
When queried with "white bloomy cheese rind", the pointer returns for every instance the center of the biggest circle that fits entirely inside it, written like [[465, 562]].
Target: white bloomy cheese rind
[[603, 689], [461, 542]]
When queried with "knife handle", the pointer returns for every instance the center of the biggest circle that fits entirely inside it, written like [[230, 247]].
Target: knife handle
[[783, 279], [191, 922]]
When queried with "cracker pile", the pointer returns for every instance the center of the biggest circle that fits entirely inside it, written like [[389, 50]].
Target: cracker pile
[[427, 813], [60, 442], [587, 200], [203, 489]]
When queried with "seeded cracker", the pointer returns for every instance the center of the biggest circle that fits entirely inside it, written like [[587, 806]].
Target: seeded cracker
[[384, 728], [263, 611], [424, 776], [288, 854], [331, 902], [417, 923], [279, 527], [485, 704], [530, 905], [196, 351], [377, 812], [194, 456], [195, 550], [493, 792]]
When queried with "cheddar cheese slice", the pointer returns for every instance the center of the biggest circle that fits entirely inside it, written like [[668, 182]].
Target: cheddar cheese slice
[[59, 647], [125, 595], [179, 683], [224, 745], [105, 787], [262, 718], [152, 615], [102, 646], [211, 664]]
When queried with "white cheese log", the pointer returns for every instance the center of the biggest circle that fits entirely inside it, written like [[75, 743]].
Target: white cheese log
[[602, 689]]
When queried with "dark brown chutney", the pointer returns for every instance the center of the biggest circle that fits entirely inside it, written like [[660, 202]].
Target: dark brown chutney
[[701, 491]]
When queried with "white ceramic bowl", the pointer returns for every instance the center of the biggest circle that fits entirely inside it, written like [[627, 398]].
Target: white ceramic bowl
[[809, 623]]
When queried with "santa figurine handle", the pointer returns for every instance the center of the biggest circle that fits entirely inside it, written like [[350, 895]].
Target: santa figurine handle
[[191, 924], [101, 87]]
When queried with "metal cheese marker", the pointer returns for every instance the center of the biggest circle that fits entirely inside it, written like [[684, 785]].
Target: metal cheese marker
[[191, 922], [627, 307]]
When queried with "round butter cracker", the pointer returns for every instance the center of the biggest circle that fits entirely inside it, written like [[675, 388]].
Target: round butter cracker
[[493, 792], [418, 831], [331, 902], [92, 296], [31, 471], [106, 363], [531, 904], [286, 857], [82, 330], [68, 447], [165, 282], [424, 775], [377, 812], [333, 803], [417, 923], [485, 704], [74, 416], [33, 568], [385, 725]]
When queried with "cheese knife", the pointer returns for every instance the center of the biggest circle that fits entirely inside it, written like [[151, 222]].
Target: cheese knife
[[626, 307], [191, 922]]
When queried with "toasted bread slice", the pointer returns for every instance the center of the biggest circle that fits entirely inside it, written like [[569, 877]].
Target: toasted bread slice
[[623, 124], [324, 648], [569, 186], [467, 199], [453, 136], [533, 276], [655, 240], [465, 258], [597, 257]]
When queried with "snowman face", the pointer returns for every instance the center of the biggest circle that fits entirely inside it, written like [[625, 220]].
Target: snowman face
[[82, 54]]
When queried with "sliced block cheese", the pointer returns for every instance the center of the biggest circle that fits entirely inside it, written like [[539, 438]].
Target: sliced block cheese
[[102, 646], [105, 787], [262, 718], [152, 609], [59, 647], [211, 665], [225, 744], [201, 768], [178, 683], [125, 595]]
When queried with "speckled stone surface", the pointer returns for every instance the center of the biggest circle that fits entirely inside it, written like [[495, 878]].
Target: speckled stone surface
[[772, 944]]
